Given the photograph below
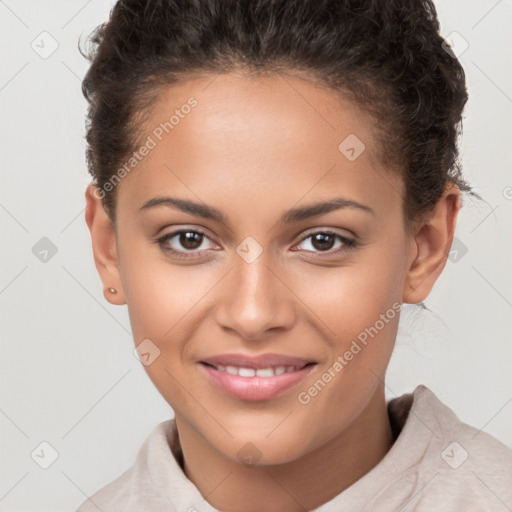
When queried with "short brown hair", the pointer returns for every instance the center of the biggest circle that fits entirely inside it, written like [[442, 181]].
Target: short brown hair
[[387, 55]]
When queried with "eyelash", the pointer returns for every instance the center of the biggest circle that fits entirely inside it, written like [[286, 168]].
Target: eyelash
[[348, 244]]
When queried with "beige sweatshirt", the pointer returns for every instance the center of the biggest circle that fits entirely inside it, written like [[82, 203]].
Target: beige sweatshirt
[[437, 464]]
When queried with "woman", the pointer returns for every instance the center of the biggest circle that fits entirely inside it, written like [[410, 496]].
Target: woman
[[272, 181]]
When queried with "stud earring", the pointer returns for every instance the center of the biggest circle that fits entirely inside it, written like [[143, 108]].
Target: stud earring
[[112, 290]]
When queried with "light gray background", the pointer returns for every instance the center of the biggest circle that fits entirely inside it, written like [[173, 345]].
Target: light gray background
[[68, 373]]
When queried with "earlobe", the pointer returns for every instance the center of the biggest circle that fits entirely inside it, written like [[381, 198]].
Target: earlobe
[[430, 246], [104, 247]]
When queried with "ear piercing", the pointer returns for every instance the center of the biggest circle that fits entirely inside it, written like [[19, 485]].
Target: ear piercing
[[112, 290]]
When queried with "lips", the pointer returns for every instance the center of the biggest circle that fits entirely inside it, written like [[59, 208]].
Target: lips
[[256, 378]]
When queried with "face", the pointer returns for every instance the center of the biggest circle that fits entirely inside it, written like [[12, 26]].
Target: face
[[270, 321]]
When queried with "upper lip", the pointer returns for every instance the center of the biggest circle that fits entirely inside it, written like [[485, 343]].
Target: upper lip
[[256, 362]]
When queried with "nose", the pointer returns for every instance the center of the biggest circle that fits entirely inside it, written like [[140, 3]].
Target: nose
[[255, 300]]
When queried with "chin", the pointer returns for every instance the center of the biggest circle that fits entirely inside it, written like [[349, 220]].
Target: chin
[[261, 451]]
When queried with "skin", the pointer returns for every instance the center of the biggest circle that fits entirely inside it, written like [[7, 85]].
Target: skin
[[253, 149]]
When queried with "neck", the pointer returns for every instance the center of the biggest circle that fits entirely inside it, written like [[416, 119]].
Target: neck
[[297, 486]]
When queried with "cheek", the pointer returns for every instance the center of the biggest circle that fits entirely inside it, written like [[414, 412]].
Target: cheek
[[164, 303], [352, 298], [161, 296], [361, 306]]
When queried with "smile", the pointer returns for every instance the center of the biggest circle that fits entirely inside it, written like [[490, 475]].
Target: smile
[[255, 382], [257, 372]]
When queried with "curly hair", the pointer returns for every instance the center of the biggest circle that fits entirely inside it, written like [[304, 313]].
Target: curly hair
[[386, 55]]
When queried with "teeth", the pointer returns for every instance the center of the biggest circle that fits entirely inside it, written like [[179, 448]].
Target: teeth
[[246, 372], [260, 372], [265, 372]]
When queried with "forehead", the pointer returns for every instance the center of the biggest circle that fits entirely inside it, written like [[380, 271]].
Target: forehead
[[234, 139]]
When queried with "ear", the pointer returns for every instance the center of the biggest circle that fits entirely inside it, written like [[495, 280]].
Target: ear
[[430, 246], [104, 245]]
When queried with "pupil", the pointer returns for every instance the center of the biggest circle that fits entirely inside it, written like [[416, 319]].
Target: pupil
[[323, 241], [187, 240]]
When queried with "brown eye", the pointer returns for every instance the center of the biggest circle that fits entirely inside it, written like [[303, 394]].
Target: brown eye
[[185, 243], [323, 241], [190, 239]]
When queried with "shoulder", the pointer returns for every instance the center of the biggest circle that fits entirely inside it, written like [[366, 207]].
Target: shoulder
[[462, 468], [115, 493], [128, 490]]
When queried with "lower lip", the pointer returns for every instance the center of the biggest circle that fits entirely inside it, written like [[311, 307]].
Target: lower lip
[[255, 388]]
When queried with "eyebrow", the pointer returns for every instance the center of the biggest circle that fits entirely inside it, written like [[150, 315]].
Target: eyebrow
[[288, 217]]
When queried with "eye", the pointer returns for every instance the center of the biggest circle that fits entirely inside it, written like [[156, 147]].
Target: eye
[[324, 241], [190, 240], [192, 243]]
